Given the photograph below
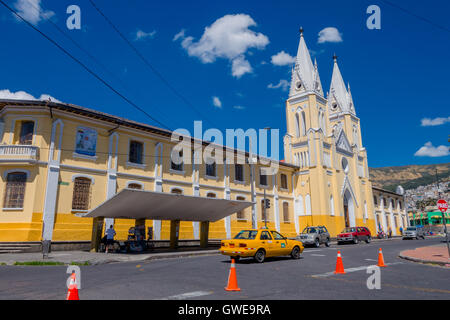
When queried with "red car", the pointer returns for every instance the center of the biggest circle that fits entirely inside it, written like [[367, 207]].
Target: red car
[[354, 234]]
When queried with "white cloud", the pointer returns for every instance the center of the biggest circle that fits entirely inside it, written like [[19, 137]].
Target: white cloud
[[330, 34], [427, 122], [228, 38], [282, 59], [142, 35], [239, 107], [22, 95], [179, 35], [31, 11], [428, 150], [283, 84], [216, 102], [240, 66]]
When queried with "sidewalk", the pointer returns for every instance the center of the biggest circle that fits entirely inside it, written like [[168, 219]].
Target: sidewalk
[[437, 254], [95, 258]]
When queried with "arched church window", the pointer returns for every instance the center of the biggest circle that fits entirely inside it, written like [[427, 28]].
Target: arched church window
[[297, 125], [303, 123]]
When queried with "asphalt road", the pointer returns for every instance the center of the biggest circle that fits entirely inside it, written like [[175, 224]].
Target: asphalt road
[[278, 278]]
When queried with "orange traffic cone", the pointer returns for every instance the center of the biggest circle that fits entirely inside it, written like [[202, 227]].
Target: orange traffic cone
[[380, 259], [339, 264], [72, 293], [232, 280]]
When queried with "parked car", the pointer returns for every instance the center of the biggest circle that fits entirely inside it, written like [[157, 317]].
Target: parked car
[[354, 234], [259, 244], [414, 232], [315, 236]]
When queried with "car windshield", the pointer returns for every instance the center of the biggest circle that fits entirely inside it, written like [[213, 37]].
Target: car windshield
[[246, 234], [411, 229], [310, 230], [348, 230]]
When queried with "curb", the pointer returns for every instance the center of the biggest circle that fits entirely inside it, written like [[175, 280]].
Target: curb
[[182, 255], [444, 264], [157, 257], [118, 260]]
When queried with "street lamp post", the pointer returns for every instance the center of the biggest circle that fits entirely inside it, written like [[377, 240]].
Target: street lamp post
[[265, 201]]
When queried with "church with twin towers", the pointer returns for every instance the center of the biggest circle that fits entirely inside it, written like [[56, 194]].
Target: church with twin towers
[[324, 140]]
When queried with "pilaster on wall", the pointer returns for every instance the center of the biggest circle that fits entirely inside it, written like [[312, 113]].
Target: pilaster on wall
[[158, 185], [227, 196], [51, 189], [275, 204], [111, 184], [196, 190]]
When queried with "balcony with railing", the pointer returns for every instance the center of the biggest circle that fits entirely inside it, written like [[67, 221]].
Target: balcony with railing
[[19, 153]]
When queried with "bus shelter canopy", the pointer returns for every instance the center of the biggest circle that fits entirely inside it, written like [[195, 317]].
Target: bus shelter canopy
[[140, 204]]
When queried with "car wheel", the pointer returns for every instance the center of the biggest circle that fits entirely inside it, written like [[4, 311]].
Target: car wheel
[[368, 240], [355, 240], [317, 243], [417, 238], [260, 256], [339, 242], [328, 242], [295, 254]]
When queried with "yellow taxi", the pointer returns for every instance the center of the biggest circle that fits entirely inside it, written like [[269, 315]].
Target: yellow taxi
[[259, 244]]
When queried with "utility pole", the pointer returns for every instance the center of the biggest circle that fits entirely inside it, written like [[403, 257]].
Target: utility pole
[[265, 206], [265, 200], [443, 215]]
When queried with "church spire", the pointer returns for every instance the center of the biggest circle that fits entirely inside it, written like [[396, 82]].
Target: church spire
[[305, 75], [339, 99]]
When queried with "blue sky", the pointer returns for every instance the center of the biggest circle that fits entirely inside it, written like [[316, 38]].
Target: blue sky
[[399, 75]]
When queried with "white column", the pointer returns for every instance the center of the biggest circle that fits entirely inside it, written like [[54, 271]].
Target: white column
[[196, 190], [158, 185], [227, 196], [276, 207], [111, 184], [51, 189], [383, 215]]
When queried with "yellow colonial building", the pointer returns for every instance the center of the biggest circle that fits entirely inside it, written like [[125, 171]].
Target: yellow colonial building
[[58, 161]]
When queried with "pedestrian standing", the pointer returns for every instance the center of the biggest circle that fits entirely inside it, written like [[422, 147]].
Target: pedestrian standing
[[110, 233]]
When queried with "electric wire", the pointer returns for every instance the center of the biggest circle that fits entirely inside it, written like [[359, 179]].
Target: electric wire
[[104, 82], [148, 64]]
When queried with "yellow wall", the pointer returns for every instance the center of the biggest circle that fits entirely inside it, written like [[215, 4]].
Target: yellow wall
[[26, 224]]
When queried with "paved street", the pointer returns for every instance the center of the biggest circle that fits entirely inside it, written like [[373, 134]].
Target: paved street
[[205, 277]]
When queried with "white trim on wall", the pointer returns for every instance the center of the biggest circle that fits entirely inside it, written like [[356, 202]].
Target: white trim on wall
[[135, 182], [177, 188], [78, 175], [6, 172]]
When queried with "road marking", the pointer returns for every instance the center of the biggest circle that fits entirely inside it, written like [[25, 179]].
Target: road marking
[[370, 260], [432, 290], [188, 295], [348, 270], [318, 255], [313, 250]]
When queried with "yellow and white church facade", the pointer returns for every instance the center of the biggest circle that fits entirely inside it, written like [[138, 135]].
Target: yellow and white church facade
[[58, 160]]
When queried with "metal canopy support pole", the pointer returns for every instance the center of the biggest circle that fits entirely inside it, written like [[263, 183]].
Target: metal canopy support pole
[[97, 228], [204, 233], [174, 232]]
